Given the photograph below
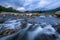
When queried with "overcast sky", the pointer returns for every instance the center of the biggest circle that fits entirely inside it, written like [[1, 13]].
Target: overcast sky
[[24, 5]]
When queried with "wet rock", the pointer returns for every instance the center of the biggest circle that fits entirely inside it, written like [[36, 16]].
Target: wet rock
[[24, 24], [9, 31], [57, 27], [54, 35], [2, 21], [46, 37], [57, 14], [6, 32]]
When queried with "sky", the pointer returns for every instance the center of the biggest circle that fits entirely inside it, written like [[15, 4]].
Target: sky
[[29, 5]]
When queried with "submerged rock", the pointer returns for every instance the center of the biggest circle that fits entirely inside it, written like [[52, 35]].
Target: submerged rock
[[6, 32], [1, 21], [57, 28], [46, 37]]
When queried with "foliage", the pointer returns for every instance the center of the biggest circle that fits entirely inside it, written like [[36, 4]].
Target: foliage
[[10, 9]]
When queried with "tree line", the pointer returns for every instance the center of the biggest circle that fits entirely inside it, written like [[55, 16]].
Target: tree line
[[10, 9]]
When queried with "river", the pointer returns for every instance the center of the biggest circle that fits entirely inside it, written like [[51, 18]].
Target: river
[[36, 28]]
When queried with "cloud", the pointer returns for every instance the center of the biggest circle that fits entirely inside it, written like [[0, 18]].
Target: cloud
[[30, 5], [20, 9], [8, 6]]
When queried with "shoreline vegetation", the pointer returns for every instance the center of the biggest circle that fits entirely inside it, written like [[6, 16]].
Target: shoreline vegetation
[[10, 9], [13, 12]]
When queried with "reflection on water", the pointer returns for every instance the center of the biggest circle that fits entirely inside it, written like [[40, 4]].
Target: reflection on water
[[34, 28]]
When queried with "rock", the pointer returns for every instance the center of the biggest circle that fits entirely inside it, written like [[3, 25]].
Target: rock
[[7, 32], [57, 14], [58, 30], [57, 27], [1, 21], [46, 37], [24, 24]]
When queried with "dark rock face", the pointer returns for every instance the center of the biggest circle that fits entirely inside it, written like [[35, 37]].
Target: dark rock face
[[57, 27], [46, 37], [6, 32], [1, 21], [24, 24], [58, 30], [57, 14]]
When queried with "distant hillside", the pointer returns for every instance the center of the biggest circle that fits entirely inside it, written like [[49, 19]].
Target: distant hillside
[[10, 9], [47, 11], [53, 11]]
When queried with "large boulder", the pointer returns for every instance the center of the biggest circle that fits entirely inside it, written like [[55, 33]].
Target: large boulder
[[2, 20], [57, 14], [46, 37]]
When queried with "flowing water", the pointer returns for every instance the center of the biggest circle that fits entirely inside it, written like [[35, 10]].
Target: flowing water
[[38, 28]]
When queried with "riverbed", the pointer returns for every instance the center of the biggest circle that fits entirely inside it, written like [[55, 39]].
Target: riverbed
[[34, 28]]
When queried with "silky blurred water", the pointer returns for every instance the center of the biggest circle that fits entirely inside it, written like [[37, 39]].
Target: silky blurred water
[[42, 25]]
